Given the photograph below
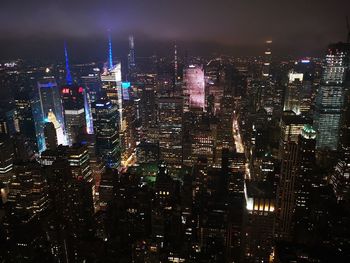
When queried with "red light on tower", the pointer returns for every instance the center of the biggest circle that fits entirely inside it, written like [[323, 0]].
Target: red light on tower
[[65, 91], [80, 90]]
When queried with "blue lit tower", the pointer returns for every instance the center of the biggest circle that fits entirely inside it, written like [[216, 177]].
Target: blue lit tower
[[75, 104], [330, 96], [111, 80], [110, 55], [68, 75]]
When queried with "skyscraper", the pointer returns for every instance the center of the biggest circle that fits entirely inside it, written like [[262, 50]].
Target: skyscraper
[[78, 158], [131, 55], [74, 112], [106, 128], [51, 106], [330, 96], [112, 87], [24, 116], [6, 158], [259, 221], [267, 59], [50, 99], [292, 99], [28, 190], [305, 177], [194, 88], [61, 138], [291, 128], [50, 136], [170, 129]]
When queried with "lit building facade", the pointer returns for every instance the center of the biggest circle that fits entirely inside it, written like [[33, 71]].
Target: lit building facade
[[267, 59], [28, 190], [6, 158], [194, 88], [170, 129], [330, 97], [293, 93], [50, 99], [106, 128], [258, 221], [74, 112]]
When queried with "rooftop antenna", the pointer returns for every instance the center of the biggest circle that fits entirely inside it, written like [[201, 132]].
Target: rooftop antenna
[[348, 28], [68, 75], [110, 60]]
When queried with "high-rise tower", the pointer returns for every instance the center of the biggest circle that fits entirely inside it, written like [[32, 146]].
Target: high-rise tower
[[51, 106], [131, 55], [267, 59], [293, 92], [330, 96], [105, 116], [74, 111], [194, 88]]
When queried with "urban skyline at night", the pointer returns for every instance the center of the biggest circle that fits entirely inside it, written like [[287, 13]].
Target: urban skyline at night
[[175, 131]]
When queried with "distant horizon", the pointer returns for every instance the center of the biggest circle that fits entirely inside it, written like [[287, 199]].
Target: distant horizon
[[36, 29], [88, 50]]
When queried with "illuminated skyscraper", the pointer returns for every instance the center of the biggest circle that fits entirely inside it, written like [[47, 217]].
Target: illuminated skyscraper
[[79, 161], [106, 128], [74, 112], [24, 122], [307, 160], [259, 221], [293, 98], [61, 138], [76, 105], [128, 134], [330, 96], [50, 99], [6, 158], [291, 128], [131, 55], [93, 85], [112, 87], [170, 129], [267, 59], [28, 190], [38, 121], [194, 88]]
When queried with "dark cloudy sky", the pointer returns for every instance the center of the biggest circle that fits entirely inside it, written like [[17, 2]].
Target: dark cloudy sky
[[38, 27]]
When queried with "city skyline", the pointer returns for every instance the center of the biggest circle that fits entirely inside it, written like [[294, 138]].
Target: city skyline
[[232, 27], [183, 131]]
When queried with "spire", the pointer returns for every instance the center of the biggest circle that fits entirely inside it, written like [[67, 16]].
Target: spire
[[68, 75], [110, 56], [175, 63]]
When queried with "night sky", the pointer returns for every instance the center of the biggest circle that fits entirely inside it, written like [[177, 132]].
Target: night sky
[[37, 28]]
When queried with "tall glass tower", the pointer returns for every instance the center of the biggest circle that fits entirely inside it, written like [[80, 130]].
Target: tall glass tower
[[330, 96], [105, 115]]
